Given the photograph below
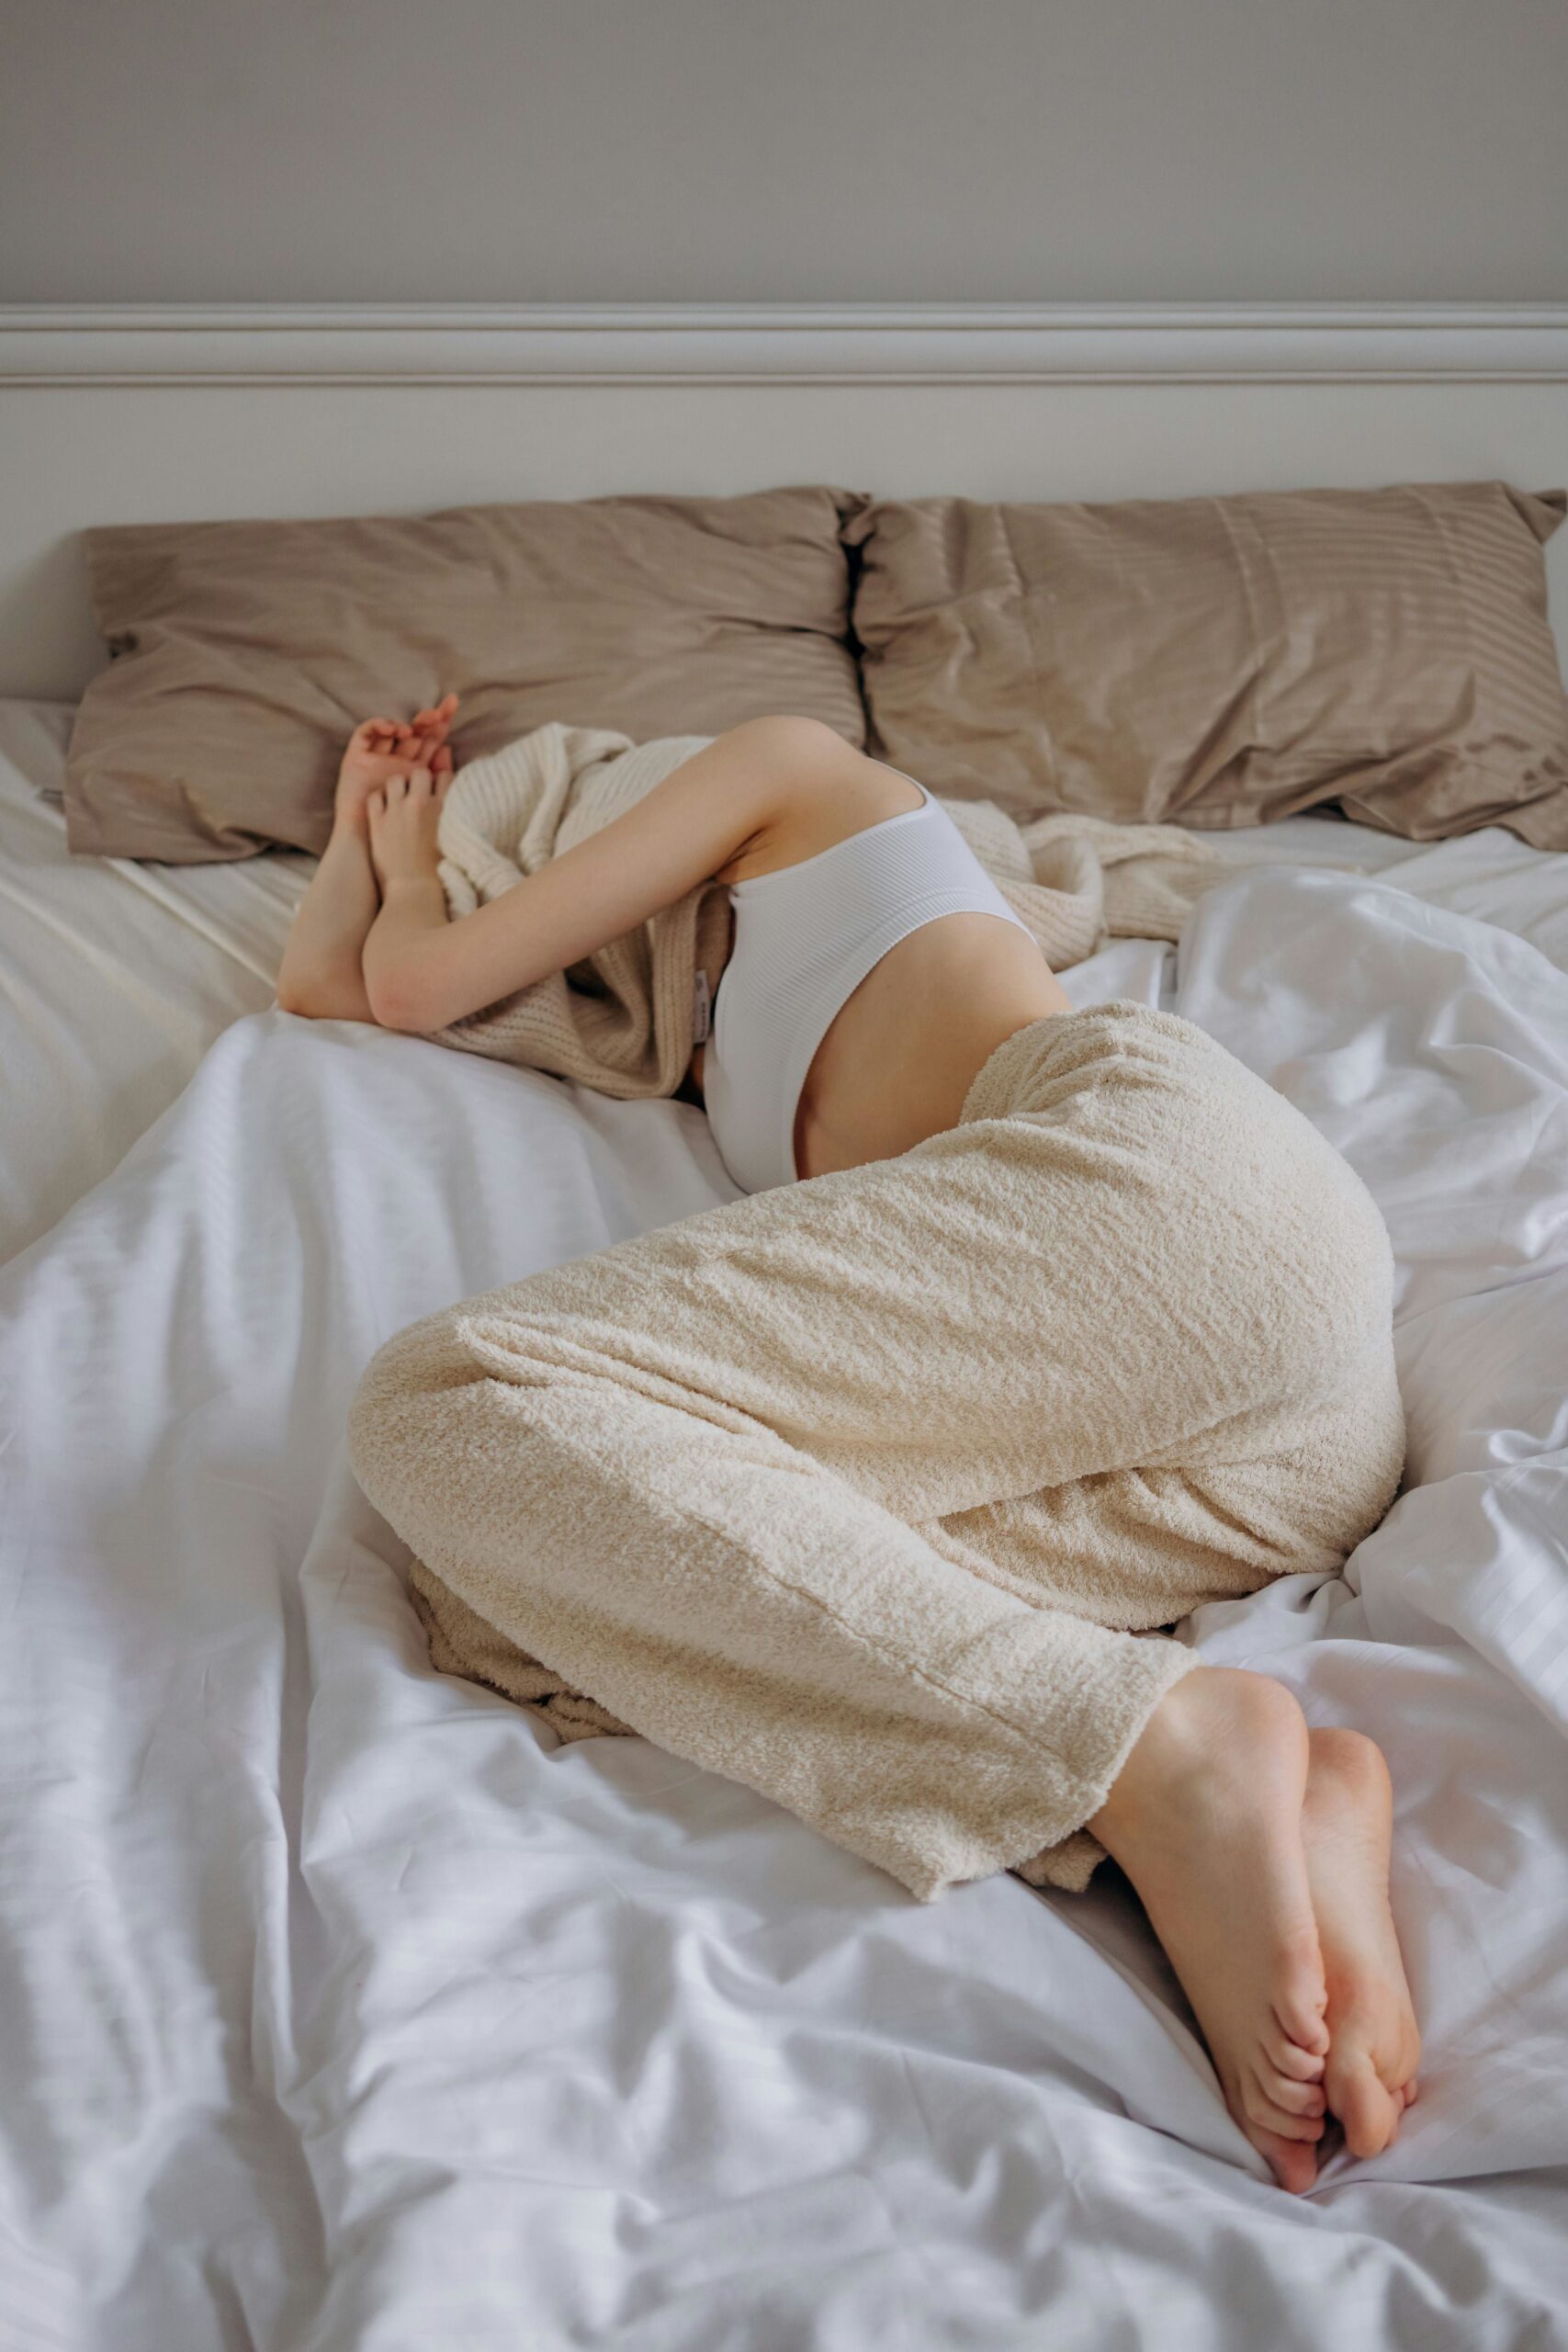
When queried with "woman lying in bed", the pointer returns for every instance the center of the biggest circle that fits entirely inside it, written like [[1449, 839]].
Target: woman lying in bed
[[879, 1494]]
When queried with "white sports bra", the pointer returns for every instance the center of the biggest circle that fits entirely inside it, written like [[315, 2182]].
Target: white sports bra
[[804, 939]]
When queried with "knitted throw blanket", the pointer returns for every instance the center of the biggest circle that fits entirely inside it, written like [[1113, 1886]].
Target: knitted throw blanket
[[621, 1020]]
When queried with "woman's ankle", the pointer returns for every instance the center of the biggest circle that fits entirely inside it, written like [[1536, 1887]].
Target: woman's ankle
[[1201, 1727]]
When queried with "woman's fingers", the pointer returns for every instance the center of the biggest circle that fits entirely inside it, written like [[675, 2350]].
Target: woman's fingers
[[440, 717], [433, 737], [418, 738]]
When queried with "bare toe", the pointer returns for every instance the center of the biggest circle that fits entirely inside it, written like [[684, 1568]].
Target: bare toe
[[1288, 2057], [1295, 2162], [1300, 1997], [1363, 2104], [1296, 2098], [1262, 2115]]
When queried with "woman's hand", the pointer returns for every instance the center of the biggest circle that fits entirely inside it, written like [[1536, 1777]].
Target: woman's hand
[[404, 815], [381, 748]]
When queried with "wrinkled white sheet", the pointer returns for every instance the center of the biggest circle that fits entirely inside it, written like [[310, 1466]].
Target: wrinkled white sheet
[[344, 2009], [115, 977]]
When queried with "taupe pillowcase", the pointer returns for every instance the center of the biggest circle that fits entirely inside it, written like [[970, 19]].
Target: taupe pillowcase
[[1222, 662], [246, 652]]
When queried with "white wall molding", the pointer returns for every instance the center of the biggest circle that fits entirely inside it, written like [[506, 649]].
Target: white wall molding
[[781, 344]]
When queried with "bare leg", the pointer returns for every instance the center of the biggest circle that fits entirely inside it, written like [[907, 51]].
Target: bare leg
[[1374, 2043], [1205, 1818]]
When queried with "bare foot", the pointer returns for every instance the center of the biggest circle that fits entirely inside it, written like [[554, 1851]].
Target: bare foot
[[1205, 1818], [1374, 2045]]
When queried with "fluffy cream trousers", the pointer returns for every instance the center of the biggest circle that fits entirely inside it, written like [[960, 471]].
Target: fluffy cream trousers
[[873, 1492]]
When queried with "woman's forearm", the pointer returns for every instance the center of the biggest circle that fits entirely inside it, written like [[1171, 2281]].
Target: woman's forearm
[[412, 906], [322, 962]]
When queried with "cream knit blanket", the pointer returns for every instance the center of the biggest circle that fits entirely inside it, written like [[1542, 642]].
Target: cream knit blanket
[[622, 1020]]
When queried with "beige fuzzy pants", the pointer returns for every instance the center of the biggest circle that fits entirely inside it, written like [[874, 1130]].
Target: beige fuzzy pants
[[872, 1492]]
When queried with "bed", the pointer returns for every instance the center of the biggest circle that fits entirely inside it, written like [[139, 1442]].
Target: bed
[[343, 2007], [346, 2008]]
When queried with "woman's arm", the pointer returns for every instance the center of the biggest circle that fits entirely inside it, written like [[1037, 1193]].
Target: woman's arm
[[321, 976], [422, 971]]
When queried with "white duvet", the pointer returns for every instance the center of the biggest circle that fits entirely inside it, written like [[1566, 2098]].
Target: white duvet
[[344, 2013]]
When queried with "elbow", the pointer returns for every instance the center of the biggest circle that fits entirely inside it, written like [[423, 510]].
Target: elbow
[[322, 996], [395, 1005], [293, 996]]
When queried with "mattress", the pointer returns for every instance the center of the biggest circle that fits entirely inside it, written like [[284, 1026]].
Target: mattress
[[345, 2007]]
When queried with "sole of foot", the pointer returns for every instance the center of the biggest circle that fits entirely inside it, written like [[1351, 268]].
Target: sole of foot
[[1205, 1819], [1374, 2044]]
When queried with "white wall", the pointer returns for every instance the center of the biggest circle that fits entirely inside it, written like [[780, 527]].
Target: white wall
[[575, 151]]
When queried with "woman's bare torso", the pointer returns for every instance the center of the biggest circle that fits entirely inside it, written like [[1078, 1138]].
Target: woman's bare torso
[[901, 1053]]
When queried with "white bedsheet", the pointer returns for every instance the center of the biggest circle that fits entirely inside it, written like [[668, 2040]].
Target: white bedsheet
[[115, 977], [345, 2010]]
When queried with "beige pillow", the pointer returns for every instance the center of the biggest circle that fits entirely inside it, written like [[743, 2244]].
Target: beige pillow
[[1220, 662], [246, 652]]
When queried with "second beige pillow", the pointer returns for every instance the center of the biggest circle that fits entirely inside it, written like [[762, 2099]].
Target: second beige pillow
[[1222, 662]]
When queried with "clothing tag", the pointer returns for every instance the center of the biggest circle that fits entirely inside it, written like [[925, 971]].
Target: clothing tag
[[701, 1008]]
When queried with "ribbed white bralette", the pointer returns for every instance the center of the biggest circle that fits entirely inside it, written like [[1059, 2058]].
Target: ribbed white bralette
[[804, 939]]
